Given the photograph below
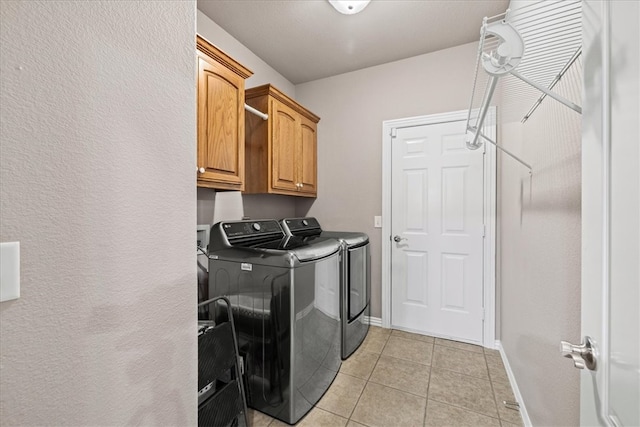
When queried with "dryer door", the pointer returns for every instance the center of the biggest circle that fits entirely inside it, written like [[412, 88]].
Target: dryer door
[[359, 283]]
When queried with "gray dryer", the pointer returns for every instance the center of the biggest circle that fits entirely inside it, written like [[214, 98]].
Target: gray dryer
[[355, 277]]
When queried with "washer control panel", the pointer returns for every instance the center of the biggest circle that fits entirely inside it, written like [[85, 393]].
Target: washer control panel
[[251, 228]]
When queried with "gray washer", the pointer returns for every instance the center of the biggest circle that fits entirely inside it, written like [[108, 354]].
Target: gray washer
[[286, 314]]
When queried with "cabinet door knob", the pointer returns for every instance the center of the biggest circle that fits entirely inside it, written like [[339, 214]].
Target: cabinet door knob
[[201, 170]]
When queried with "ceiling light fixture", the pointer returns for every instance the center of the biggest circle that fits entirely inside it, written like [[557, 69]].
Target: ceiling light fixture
[[349, 7]]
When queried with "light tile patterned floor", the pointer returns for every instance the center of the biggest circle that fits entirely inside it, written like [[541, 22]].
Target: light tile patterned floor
[[399, 379]]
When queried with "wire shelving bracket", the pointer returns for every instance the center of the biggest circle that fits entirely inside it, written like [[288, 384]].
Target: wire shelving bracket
[[536, 44]]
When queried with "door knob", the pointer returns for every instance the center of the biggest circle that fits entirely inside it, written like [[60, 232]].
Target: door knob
[[583, 355], [201, 170], [398, 239]]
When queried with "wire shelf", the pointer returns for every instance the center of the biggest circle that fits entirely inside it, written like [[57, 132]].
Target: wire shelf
[[524, 52]]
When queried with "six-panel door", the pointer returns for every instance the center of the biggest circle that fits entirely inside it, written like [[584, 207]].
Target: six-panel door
[[437, 224]]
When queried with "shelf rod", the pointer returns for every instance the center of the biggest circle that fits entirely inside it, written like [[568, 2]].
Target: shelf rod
[[555, 18], [491, 87], [542, 42], [495, 144], [545, 7], [252, 110]]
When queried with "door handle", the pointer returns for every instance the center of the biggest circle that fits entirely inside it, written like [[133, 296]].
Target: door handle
[[398, 239], [583, 355]]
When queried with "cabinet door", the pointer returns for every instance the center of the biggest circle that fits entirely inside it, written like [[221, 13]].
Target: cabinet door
[[307, 154], [220, 126], [283, 147]]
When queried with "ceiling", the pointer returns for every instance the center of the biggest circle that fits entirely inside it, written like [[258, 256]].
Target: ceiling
[[306, 40]]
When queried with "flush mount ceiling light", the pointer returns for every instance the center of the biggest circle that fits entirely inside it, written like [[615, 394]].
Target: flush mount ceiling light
[[349, 7]]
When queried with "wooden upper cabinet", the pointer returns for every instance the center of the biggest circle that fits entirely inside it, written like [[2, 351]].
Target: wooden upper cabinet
[[285, 133], [308, 156], [221, 152], [281, 152]]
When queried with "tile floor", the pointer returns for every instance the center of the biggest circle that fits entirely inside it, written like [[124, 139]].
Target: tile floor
[[399, 379]]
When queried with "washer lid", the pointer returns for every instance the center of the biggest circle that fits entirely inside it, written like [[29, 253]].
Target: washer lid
[[350, 238], [303, 248], [312, 248], [285, 252]]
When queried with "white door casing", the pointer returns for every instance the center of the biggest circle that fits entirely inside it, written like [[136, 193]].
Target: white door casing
[[438, 195], [611, 212]]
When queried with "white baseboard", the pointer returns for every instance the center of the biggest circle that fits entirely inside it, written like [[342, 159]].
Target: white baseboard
[[514, 385], [373, 321]]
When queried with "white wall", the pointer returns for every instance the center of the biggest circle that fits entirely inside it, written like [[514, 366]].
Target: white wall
[[263, 73], [539, 250], [255, 205], [96, 182], [353, 107]]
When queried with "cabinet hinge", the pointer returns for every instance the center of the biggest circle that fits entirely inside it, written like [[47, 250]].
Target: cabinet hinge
[[393, 132], [483, 314], [484, 230]]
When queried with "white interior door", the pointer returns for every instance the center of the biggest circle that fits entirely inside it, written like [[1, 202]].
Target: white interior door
[[437, 223], [610, 394]]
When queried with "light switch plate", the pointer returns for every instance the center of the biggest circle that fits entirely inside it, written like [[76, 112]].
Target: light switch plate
[[9, 271], [377, 221]]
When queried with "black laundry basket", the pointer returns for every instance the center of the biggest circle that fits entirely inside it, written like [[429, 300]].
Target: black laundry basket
[[221, 397]]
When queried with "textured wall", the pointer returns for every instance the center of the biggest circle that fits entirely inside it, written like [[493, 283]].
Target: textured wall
[[539, 253], [353, 107], [255, 205], [97, 159]]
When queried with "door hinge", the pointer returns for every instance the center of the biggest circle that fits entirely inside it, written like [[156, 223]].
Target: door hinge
[[393, 132]]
